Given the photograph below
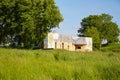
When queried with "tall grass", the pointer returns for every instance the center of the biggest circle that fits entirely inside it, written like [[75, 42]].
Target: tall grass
[[58, 65]]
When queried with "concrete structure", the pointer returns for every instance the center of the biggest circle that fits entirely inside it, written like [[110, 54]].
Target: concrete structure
[[60, 41]]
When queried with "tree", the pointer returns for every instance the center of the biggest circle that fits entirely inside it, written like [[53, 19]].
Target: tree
[[50, 17], [27, 21], [106, 28], [110, 32], [93, 32]]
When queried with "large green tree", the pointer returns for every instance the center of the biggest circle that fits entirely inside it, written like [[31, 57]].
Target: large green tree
[[93, 32], [27, 21], [106, 27]]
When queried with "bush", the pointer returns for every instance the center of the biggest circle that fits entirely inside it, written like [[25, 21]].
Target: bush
[[111, 47]]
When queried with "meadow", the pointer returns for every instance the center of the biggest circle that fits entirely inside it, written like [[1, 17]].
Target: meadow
[[16, 64]]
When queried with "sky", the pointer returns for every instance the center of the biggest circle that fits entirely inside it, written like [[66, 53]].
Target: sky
[[73, 11]]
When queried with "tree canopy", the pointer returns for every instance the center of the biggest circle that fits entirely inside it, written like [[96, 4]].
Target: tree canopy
[[93, 32], [27, 22], [103, 23]]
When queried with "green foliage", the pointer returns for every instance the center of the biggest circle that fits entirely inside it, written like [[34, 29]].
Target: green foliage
[[93, 32], [106, 28], [27, 21], [109, 72], [111, 47], [111, 32], [42, 65]]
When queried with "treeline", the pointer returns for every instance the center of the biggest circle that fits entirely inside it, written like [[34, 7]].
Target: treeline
[[24, 23], [99, 27]]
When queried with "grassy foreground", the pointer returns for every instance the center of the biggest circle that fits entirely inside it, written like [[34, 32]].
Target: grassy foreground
[[58, 65]]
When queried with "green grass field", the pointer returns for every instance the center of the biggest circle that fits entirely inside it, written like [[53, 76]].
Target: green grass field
[[58, 65]]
